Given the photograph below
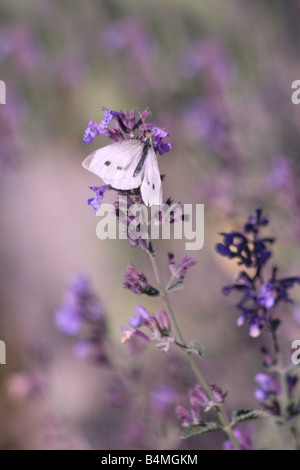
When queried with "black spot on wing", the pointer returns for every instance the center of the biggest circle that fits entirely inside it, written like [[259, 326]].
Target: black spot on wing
[[119, 168], [107, 163]]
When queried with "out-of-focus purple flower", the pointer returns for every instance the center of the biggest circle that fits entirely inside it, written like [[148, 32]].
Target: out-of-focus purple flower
[[198, 398], [68, 320], [137, 282], [18, 42], [268, 387], [267, 297], [205, 123], [281, 173], [162, 399], [132, 34], [258, 296], [99, 193], [158, 326], [244, 439], [23, 385], [209, 54], [81, 308]]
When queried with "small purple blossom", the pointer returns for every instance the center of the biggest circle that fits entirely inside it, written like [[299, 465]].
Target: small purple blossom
[[198, 399], [137, 282], [158, 326], [91, 132], [99, 195], [268, 387], [183, 267]]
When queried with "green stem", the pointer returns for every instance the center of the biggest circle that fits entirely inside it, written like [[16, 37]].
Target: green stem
[[219, 409], [286, 399]]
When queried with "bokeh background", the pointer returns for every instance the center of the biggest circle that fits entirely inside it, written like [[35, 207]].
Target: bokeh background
[[217, 75]]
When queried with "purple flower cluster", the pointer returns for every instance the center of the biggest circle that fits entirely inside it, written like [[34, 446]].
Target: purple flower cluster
[[125, 126], [137, 282], [158, 325], [180, 272], [82, 316], [99, 195], [269, 391], [259, 296], [198, 399], [123, 215]]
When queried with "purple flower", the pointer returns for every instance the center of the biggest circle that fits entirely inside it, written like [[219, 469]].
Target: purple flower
[[268, 387], [267, 297], [82, 316], [99, 192], [162, 399], [209, 54], [91, 132], [180, 272], [159, 145], [244, 439], [258, 296], [205, 122], [184, 266], [198, 398], [68, 320], [119, 125], [184, 416], [158, 326], [281, 173], [137, 282]]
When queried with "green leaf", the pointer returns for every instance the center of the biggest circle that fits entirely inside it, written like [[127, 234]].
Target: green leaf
[[246, 415], [177, 286], [201, 428], [196, 348]]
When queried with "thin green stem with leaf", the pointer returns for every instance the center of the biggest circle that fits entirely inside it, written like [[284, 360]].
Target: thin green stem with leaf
[[219, 409]]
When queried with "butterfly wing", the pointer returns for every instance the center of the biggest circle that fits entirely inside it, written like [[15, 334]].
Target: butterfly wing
[[151, 189], [115, 164]]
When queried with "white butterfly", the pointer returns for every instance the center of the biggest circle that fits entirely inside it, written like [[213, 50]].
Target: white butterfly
[[128, 165]]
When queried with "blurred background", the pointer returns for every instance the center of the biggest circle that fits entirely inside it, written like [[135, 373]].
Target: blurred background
[[217, 76]]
